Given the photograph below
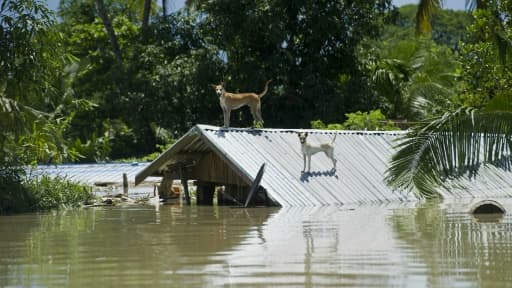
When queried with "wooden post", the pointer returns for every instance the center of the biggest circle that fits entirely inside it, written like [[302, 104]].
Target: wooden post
[[204, 193], [184, 182], [125, 184]]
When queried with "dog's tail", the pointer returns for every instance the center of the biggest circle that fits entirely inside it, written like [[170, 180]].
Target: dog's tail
[[333, 139], [266, 89]]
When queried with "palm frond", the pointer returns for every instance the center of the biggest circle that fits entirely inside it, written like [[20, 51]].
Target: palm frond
[[426, 8], [450, 147], [474, 4]]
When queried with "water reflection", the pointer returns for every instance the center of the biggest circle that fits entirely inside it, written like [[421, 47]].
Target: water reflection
[[394, 245], [456, 247]]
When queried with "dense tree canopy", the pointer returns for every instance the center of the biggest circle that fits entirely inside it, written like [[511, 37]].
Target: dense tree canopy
[[32, 58], [101, 93], [305, 46], [162, 76]]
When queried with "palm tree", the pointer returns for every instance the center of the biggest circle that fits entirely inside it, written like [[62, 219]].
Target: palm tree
[[452, 146], [427, 8], [413, 78]]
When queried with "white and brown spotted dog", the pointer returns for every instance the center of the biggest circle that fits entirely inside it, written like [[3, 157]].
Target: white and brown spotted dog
[[231, 101], [308, 150]]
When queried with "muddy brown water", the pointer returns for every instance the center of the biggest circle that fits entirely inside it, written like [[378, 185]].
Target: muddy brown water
[[402, 245]]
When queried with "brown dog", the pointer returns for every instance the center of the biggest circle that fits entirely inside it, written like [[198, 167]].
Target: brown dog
[[230, 101]]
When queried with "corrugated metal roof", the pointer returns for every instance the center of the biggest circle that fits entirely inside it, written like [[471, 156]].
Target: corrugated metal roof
[[93, 173], [363, 158]]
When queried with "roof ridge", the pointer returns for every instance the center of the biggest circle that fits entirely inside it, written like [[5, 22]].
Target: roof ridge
[[296, 130]]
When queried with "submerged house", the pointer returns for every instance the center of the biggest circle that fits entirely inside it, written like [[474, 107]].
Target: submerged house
[[231, 158]]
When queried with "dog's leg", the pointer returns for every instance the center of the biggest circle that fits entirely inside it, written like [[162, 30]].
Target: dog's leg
[[309, 163], [304, 169], [259, 119], [224, 115], [330, 154], [256, 116], [227, 116]]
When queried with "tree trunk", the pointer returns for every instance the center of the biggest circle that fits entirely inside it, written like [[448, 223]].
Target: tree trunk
[[145, 15], [164, 7], [110, 30]]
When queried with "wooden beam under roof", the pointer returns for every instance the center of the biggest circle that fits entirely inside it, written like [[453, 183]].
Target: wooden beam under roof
[[186, 159]]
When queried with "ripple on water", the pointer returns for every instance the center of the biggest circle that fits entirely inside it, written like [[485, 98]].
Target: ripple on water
[[174, 246]]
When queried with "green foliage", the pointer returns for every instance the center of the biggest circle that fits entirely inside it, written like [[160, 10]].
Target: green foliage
[[14, 197], [53, 193], [24, 28], [31, 102], [304, 45], [448, 26], [83, 11], [416, 78], [26, 46], [46, 143], [413, 79], [95, 149], [371, 121], [20, 192], [33, 112], [458, 143], [164, 82], [426, 8], [152, 156], [486, 70], [318, 124]]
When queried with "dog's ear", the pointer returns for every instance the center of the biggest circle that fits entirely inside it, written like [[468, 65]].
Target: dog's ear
[[222, 83], [213, 86]]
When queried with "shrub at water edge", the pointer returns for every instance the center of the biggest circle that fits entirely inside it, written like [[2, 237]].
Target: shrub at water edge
[[38, 193], [57, 192]]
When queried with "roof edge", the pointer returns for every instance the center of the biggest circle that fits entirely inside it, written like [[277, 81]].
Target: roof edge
[[281, 130], [163, 157]]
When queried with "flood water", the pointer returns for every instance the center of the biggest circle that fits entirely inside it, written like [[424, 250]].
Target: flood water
[[411, 245]]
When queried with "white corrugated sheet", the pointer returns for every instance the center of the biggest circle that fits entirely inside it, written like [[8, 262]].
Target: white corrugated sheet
[[363, 157], [93, 174]]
